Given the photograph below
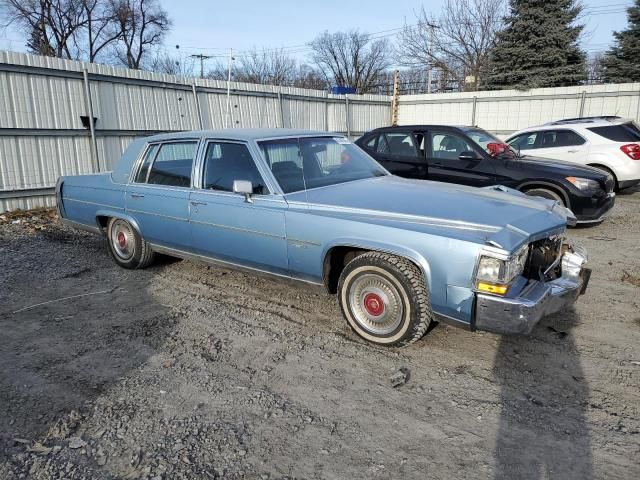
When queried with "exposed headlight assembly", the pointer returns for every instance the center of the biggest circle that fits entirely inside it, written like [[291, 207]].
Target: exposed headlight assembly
[[493, 274], [584, 183]]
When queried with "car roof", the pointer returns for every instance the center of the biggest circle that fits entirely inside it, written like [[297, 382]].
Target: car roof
[[425, 126], [240, 134]]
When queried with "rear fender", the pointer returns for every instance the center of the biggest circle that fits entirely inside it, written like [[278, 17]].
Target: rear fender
[[117, 214]]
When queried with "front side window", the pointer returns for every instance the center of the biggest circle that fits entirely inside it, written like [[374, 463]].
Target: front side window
[[526, 141], [225, 162], [305, 163], [448, 146], [173, 164]]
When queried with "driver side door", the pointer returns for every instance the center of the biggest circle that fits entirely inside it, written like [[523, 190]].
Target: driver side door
[[443, 150], [225, 225]]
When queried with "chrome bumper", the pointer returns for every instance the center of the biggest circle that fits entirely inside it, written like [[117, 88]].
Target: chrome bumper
[[520, 314]]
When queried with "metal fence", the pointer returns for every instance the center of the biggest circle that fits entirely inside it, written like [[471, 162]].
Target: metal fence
[[506, 111], [46, 105], [45, 120]]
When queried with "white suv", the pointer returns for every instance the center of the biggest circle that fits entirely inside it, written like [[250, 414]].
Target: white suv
[[611, 144]]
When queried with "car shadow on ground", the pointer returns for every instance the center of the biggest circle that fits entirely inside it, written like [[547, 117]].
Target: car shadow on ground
[[56, 358], [543, 431]]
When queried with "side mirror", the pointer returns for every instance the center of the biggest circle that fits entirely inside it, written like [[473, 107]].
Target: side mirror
[[469, 156], [243, 187]]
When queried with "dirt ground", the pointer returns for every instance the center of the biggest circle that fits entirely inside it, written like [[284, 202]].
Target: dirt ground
[[189, 371]]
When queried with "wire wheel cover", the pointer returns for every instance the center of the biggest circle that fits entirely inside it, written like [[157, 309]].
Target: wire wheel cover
[[375, 303]]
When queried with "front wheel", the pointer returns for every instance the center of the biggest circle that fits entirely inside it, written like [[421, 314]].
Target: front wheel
[[126, 246], [546, 193], [384, 299]]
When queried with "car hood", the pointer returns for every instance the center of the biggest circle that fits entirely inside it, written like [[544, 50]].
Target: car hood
[[502, 217], [559, 167]]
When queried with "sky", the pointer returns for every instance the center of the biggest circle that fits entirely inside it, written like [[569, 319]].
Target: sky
[[213, 27]]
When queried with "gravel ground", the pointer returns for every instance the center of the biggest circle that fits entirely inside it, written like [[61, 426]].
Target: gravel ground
[[189, 371]]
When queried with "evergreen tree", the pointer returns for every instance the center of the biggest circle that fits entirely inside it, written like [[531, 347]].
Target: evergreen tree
[[538, 46], [622, 62]]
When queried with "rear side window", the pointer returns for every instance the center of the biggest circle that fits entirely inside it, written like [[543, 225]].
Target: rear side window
[[560, 138], [173, 164], [397, 144], [626, 132], [143, 173]]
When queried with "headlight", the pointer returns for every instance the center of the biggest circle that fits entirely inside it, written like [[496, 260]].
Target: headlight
[[584, 183], [494, 274]]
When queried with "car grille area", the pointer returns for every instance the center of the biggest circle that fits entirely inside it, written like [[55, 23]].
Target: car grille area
[[609, 184], [544, 259]]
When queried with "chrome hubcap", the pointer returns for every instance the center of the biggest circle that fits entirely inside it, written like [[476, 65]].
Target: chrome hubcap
[[122, 239], [376, 304]]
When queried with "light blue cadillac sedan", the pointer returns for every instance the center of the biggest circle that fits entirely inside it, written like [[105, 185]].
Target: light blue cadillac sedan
[[311, 206]]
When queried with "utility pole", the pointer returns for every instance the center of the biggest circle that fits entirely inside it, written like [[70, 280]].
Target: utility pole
[[394, 100], [202, 59], [226, 119], [431, 26]]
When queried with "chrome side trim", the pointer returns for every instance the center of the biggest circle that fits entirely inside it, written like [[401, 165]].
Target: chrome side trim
[[130, 210], [68, 199], [303, 242], [174, 252], [238, 229], [454, 322], [80, 226]]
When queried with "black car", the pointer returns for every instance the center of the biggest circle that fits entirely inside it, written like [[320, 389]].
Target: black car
[[472, 156]]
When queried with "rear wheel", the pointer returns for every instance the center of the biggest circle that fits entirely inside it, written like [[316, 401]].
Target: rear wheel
[[126, 246], [546, 193], [384, 298]]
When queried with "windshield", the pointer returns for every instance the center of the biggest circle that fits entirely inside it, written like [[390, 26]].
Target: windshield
[[488, 142], [304, 163]]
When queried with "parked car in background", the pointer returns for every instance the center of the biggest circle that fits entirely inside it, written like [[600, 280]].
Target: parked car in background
[[313, 207], [611, 144], [472, 156]]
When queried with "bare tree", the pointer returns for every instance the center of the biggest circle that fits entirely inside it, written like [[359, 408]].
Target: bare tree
[[268, 67], [457, 43], [308, 77], [48, 24], [140, 25], [173, 65], [594, 69], [351, 59], [99, 30]]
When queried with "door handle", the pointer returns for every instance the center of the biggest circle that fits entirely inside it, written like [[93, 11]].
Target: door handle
[[573, 151], [195, 204], [137, 195]]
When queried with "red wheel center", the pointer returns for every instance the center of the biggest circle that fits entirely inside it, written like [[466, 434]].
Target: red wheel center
[[373, 304], [122, 240]]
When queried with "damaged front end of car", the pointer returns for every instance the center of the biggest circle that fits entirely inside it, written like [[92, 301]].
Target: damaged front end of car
[[514, 292]]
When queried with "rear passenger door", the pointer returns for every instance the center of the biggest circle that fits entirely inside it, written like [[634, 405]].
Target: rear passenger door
[[158, 195], [561, 144], [400, 153]]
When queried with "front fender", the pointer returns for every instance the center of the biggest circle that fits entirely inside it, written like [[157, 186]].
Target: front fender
[[393, 249]]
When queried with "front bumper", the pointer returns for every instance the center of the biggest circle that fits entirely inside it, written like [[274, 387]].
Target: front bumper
[[518, 315]]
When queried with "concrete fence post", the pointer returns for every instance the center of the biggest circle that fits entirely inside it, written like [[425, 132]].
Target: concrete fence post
[[347, 114], [583, 97], [92, 128], [198, 110], [280, 109], [473, 111]]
